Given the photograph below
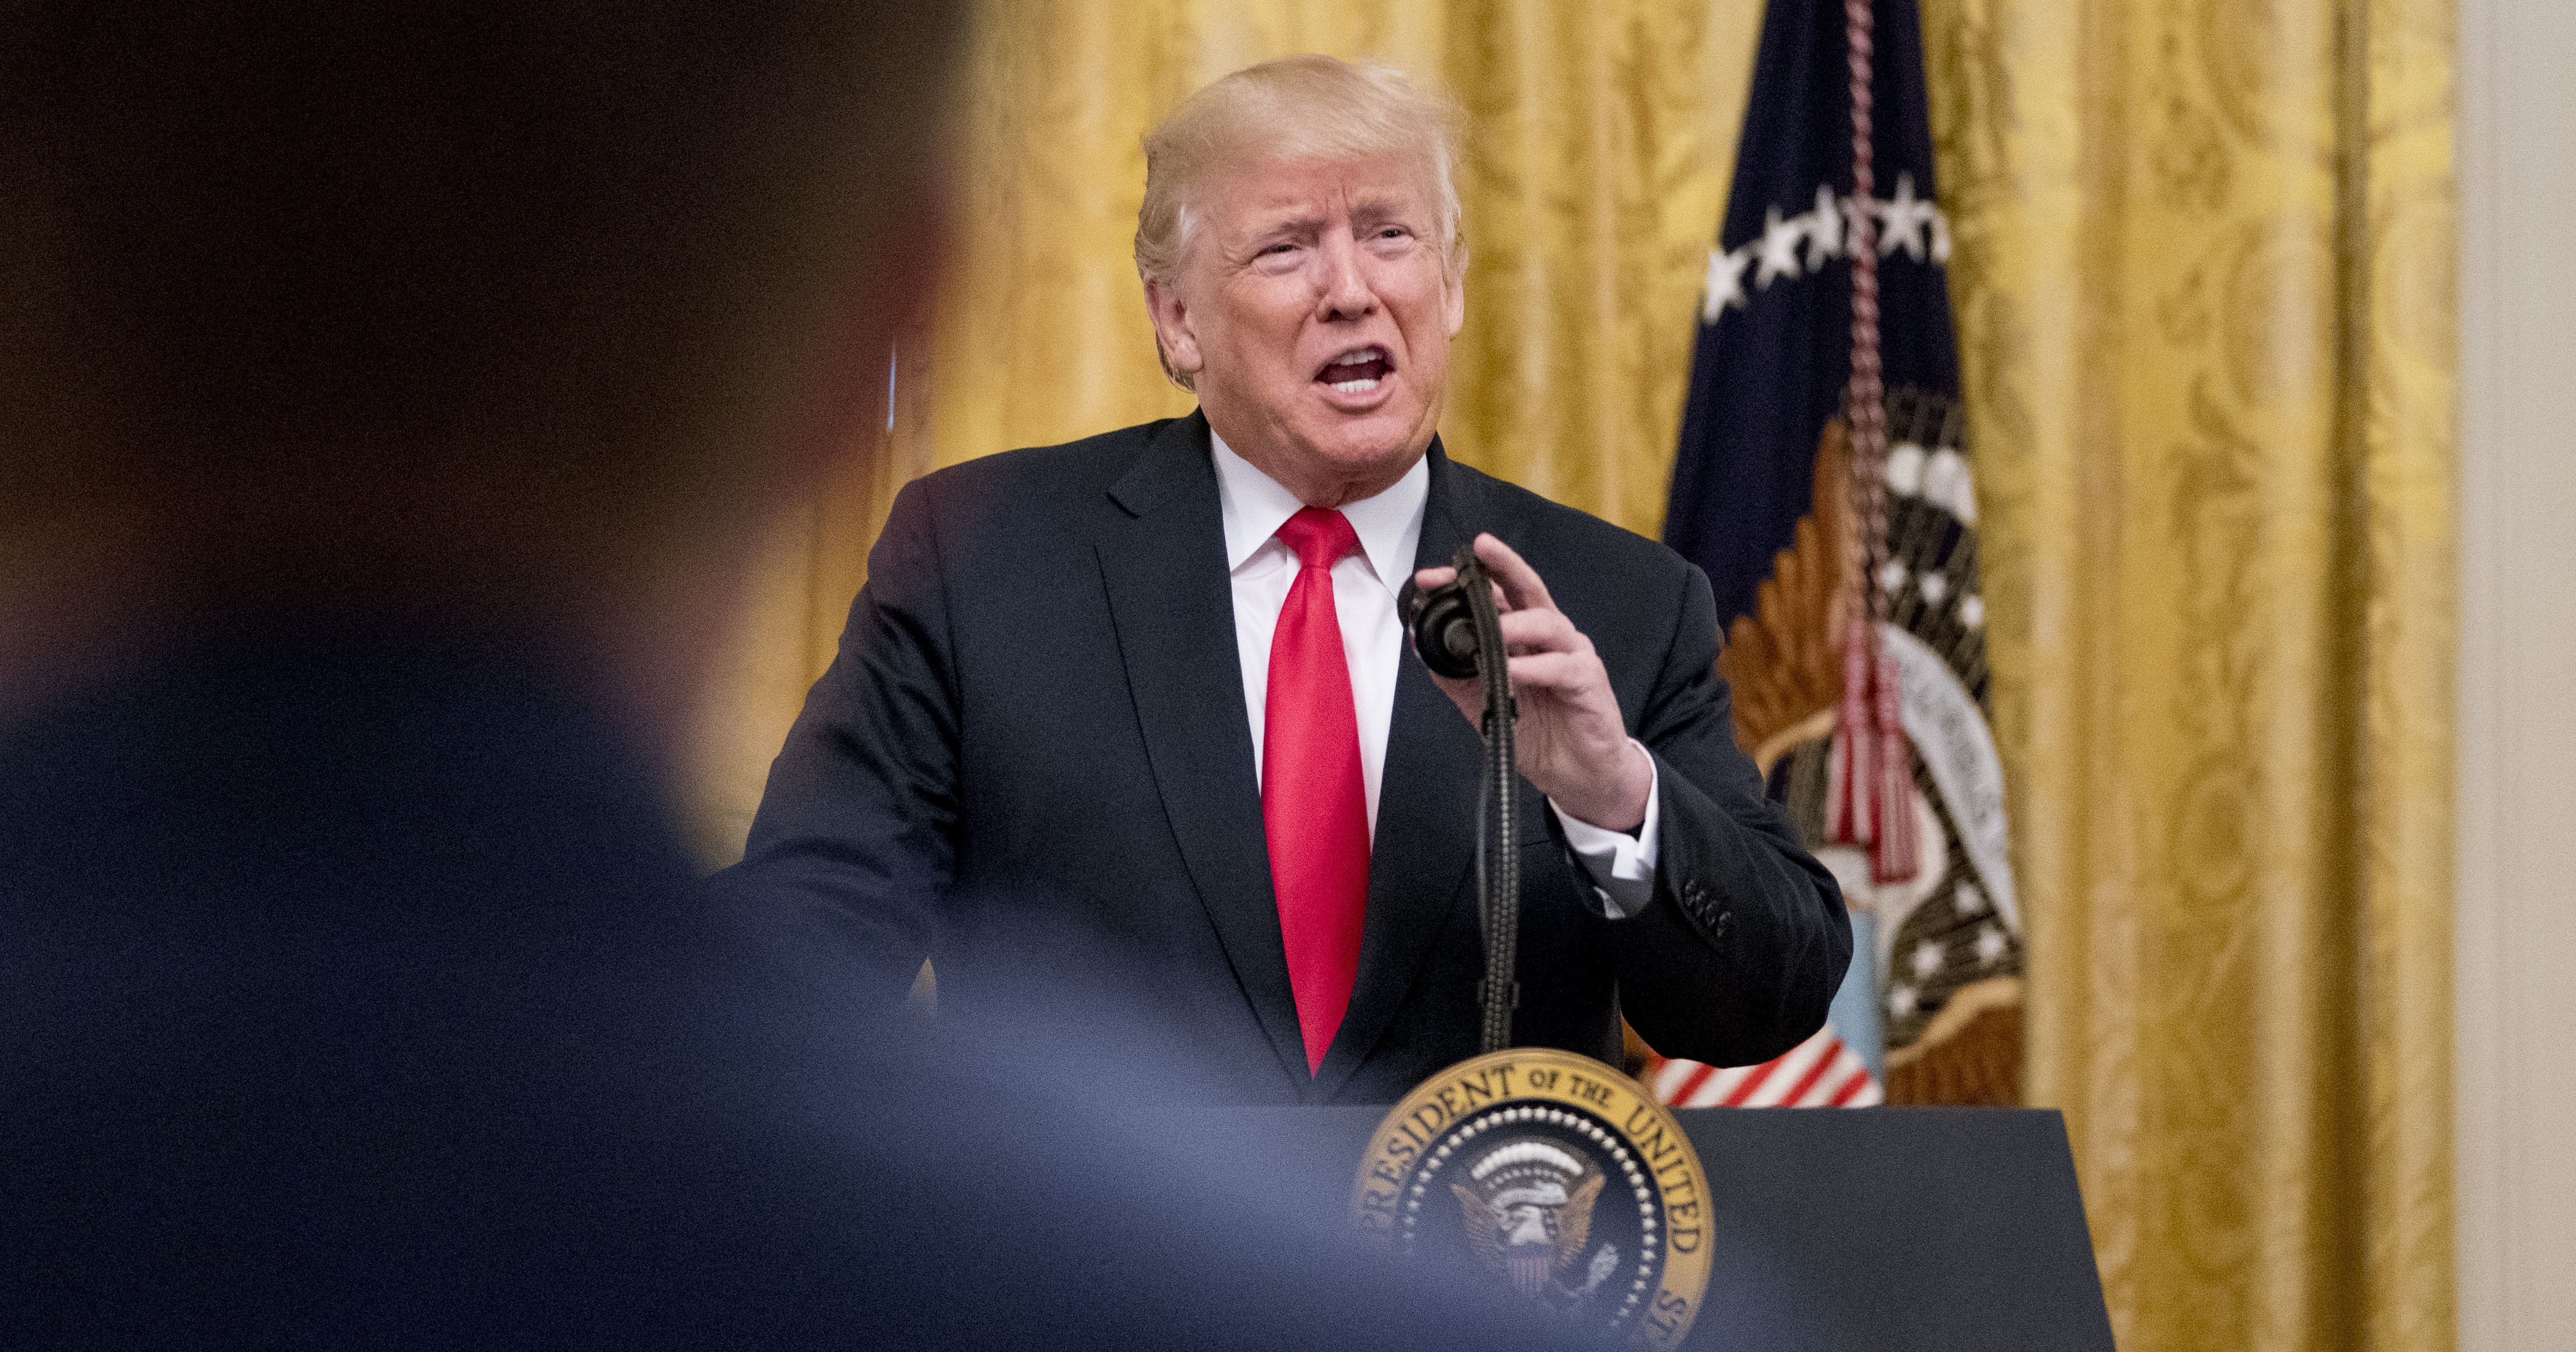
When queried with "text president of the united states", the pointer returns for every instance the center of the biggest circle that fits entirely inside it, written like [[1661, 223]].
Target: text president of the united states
[[1145, 701]]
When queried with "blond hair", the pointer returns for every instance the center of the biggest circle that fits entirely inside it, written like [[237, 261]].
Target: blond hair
[[1292, 107]]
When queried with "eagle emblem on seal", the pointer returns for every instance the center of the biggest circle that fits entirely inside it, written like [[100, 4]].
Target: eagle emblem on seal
[[1570, 1191], [1527, 1205]]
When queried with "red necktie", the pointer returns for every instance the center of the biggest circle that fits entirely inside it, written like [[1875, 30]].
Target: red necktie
[[1313, 804]]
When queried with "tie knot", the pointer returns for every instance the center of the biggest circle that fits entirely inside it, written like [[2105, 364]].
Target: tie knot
[[1319, 537]]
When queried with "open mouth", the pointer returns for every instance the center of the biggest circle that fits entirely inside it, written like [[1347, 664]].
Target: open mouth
[[1357, 371]]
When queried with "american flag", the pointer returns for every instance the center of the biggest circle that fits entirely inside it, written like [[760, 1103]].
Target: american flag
[[1818, 1073]]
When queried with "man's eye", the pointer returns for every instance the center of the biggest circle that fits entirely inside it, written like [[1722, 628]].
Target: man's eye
[[1392, 232]]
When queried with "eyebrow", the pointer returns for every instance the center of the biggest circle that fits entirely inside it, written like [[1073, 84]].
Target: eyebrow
[[1364, 211], [1306, 224]]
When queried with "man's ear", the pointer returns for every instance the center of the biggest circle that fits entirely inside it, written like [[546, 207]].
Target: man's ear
[[1173, 332], [1454, 283]]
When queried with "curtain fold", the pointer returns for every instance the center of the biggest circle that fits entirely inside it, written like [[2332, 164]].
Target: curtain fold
[[2203, 285]]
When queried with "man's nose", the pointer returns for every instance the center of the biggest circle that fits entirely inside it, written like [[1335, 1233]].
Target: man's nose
[[1343, 292]]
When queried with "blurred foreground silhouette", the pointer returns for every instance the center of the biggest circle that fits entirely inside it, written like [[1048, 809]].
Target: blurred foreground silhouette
[[397, 394]]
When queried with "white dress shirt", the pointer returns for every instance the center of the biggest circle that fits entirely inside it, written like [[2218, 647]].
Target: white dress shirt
[[1365, 587]]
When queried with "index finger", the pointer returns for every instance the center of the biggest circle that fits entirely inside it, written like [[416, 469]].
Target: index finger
[[1519, 581]]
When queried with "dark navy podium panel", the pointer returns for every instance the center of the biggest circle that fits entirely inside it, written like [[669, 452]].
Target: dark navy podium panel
[[1891, 1229], [1895, 1228]]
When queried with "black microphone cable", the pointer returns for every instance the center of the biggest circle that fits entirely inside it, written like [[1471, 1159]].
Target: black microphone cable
[[1458, 634]]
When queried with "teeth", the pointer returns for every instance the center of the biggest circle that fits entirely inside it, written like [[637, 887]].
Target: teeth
[[1355, 386]]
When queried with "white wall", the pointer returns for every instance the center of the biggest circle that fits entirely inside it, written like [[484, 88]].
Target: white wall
[[2517, 919]]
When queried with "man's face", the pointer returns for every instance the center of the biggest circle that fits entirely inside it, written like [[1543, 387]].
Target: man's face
[[1314, 313]]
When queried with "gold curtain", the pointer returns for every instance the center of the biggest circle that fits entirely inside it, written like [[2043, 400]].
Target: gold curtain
[[2204, 300]]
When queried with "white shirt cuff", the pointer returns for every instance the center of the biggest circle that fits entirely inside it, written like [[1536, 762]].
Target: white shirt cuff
[[1621, 867]]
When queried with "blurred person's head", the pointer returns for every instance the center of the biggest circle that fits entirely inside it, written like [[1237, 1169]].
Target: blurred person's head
[[1300, 248], [495, 319]]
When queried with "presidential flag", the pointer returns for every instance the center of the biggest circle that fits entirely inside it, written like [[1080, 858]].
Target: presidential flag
[[1824, 484]]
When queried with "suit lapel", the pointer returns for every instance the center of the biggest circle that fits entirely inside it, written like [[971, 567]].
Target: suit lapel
[[1173, 607], [1422, 862]]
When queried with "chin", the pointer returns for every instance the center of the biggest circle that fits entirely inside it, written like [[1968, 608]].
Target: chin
[[1375, 442], [1368, 460]]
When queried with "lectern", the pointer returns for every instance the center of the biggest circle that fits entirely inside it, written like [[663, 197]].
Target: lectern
[[1838, 1230]]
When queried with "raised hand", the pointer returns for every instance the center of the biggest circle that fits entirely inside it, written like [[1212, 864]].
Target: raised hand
[[1572, 742]]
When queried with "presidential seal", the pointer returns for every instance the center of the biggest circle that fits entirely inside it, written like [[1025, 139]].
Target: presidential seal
[[1560, 1179]]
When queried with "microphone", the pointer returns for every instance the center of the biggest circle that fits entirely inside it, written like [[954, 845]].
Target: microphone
[[1444, 627]]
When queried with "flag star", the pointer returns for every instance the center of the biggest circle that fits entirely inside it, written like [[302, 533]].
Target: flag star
[[1905, 469], [1905, 216], [1900, 1001], [1940, 237], [1824, 226], [1778, 250], [1891, 577], [1725, 281], [1972, 612], [1935, 587], [1928, 958], [1990, 944], [1968, 899], [1949, 485]]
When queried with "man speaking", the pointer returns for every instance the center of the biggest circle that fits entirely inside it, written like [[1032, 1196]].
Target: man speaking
[[1151, 688]]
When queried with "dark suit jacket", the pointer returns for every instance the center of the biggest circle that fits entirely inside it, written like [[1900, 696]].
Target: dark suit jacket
[[1035, 730]]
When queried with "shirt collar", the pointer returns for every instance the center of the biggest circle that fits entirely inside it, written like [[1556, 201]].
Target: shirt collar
[[1255, 506]]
